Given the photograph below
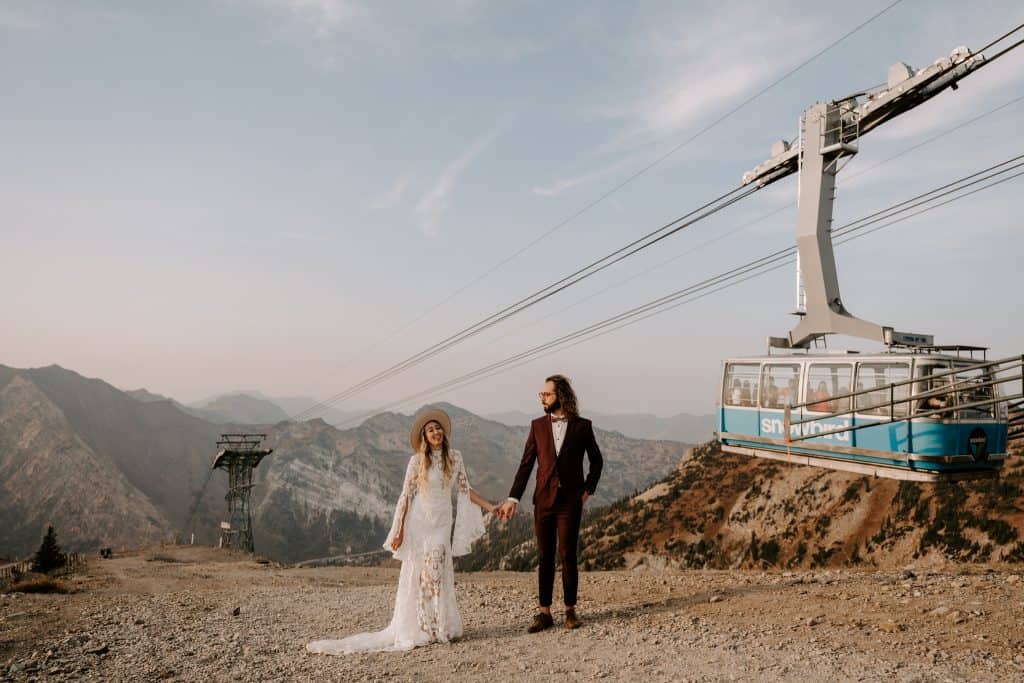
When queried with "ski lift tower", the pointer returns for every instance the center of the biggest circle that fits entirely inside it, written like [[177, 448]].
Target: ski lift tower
[[238, 455], [830, 132]]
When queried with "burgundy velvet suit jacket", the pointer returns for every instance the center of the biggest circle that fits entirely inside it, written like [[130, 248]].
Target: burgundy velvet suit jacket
[[564, 467]]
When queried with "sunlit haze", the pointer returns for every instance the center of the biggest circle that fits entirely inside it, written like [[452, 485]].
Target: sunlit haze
[[216, 195]]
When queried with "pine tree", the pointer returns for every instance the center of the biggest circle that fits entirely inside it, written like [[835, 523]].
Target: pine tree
[[49, 555]]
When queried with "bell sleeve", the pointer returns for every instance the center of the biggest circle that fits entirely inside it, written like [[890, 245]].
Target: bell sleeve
[[469, 519], [401, 512]]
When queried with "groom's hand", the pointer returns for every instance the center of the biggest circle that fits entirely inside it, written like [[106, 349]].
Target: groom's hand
[[507, 510], [585, 496]]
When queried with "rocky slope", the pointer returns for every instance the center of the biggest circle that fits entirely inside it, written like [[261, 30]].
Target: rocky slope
[[724, 511], [195, 614], [49, 475]]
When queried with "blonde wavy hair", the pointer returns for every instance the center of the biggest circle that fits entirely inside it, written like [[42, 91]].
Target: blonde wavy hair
[[424, 457]]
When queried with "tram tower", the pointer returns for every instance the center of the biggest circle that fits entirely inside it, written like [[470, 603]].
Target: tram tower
[[238, 455]]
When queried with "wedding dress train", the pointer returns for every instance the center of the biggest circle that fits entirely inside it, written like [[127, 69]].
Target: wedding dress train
[[425, 608]]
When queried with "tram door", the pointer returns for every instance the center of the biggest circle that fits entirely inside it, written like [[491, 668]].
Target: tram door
[[780, 386], [740, 398], [979, 433], [826, 383], [931, 435], [876, 402]]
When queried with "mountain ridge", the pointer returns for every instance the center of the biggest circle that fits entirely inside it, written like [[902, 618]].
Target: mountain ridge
[[323, 491]]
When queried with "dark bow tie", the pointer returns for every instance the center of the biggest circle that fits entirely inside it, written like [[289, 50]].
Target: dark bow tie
[[559, 419]]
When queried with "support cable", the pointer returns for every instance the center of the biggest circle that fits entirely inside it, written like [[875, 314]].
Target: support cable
[[708, 209], [323, 405], [756, 268]]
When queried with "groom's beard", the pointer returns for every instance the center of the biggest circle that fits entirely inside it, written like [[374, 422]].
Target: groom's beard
[[554, 407]]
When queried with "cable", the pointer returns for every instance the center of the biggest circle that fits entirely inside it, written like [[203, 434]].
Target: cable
[[763, 217], [613, 190], [648, 240], [756, 268], [543, 294], [625, 252], [989, 60], [1001, 38]]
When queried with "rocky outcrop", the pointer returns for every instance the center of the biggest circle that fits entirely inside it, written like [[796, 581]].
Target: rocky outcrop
[[49, 475], [720, 511]]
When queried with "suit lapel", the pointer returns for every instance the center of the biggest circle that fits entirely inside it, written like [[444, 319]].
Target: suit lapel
[[565, 437], [550, 436]]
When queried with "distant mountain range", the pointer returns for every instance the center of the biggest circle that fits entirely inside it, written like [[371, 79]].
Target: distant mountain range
[[253, 407], [122, 469], [682, 427]]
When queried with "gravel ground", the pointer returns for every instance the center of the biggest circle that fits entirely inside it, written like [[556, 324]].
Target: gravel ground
[[201, 614]]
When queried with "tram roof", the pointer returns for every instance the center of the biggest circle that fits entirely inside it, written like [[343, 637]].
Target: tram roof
[[950, 352]]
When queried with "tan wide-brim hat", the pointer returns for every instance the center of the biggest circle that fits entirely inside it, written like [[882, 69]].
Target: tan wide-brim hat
[[432, 415]]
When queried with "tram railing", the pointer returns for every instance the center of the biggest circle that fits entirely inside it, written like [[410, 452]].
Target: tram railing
[[1002, 371], [1015, 421]]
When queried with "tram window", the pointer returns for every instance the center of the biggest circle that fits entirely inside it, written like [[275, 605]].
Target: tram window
[[740, 386], [779, 385], [969, 391], [825, 380], [881, 375], [940, 400]]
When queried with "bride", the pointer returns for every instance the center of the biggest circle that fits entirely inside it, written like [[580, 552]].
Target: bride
[[421, 537]]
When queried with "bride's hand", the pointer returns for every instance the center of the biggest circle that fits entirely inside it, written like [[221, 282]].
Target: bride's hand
[[396, 542]]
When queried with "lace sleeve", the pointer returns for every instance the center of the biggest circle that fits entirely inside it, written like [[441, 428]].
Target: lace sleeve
[[469, 519], [401, 511]]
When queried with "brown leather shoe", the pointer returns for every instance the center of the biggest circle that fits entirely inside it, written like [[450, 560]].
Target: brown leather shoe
[[541, 621], [571, 620]]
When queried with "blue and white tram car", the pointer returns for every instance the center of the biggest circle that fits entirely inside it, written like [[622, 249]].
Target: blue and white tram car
[[916, 416]]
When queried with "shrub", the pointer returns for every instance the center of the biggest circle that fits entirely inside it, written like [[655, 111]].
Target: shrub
[[38, 584], [160, 557], [49, 556]]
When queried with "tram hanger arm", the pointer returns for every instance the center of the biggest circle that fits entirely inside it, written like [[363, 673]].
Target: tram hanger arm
[[906, 89]]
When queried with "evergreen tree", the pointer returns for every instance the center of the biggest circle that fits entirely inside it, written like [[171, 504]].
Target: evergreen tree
[[49, 555]]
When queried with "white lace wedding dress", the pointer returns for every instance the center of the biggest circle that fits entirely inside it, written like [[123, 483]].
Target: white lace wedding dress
[[425, 609]]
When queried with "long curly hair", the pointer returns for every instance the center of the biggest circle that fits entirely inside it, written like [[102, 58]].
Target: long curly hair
[[566, 396], [424, 457]]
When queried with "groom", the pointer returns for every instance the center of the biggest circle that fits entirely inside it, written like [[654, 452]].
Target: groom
[[557, 443]]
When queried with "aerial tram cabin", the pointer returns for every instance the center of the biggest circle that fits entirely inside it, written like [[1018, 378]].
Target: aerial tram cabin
[[912, 410], [922, 415]]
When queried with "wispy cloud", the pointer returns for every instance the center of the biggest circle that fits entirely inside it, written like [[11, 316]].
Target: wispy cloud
[[435, 200], [18, 21], [325, 18], [694, 77], [393, 195], [557, 187]]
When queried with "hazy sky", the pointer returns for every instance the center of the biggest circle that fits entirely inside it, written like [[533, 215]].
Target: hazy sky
[[208, 195]]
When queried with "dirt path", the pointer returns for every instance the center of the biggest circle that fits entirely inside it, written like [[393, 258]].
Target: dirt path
[[137, 619]]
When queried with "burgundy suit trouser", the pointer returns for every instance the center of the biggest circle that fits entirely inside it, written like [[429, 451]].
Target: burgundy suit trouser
[[558, 524]]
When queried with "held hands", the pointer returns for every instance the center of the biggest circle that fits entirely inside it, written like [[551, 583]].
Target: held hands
[[507, 510]]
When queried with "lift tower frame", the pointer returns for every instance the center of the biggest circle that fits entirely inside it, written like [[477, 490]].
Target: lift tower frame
[[830, 131], [238, 455]]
